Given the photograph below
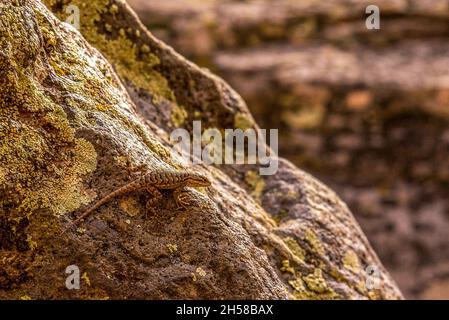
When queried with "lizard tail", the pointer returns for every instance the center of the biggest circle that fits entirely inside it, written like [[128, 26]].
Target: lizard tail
[[133, 185]]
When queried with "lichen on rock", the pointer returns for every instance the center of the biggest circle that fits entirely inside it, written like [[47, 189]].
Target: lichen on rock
[[76, 124], [41, 158]]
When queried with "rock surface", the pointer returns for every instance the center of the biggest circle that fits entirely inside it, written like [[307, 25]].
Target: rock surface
[[366, 111], [82, 113]]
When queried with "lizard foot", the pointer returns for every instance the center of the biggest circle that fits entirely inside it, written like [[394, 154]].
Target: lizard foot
[[185, 199], [153, 202]]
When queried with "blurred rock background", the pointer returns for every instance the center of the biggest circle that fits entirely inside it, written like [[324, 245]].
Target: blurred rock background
[[366, 111]]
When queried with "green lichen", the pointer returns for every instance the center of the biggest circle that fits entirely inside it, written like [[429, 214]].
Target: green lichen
[[172, 248], [297, 285], [116, 51], [58, 99], [338, 276], [283, 213], [201, 272], [65, 194], [361, 287], [113, 9], [42, 161], [243, 121], [132, 64], [287, 268], [31, 243], [86, 279], [314, 242], [178, 115], [256, 183], [351, 261], [312, 287], [293, 245], [316, 283]]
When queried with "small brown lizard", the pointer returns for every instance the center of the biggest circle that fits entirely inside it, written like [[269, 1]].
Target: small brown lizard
[[153, 182]]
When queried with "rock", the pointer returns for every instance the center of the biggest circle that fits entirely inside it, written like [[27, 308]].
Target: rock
[[233, 24], [83, 113], [363, 110]]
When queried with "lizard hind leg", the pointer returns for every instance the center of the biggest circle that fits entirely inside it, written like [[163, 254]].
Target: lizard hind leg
[[155, 199]]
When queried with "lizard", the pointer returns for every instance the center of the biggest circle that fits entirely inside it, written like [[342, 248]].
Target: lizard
[[153, 182]]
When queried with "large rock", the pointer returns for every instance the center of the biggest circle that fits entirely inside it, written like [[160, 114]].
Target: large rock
[[364, 110], [84, 113]]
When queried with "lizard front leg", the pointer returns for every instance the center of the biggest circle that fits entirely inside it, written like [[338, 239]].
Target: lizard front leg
[[184, 198], [155, 198]]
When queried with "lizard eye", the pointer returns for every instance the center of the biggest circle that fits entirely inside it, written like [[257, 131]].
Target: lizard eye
[[204, 181]]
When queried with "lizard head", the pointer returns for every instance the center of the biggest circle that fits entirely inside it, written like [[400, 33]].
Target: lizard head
[[197, 180]]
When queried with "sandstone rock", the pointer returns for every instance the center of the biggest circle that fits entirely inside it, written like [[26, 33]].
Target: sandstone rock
[[83, 113], [364, 110]]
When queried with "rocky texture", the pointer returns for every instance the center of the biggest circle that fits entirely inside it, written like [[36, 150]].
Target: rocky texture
[[201, 28], [76, 123], [365, 111]]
